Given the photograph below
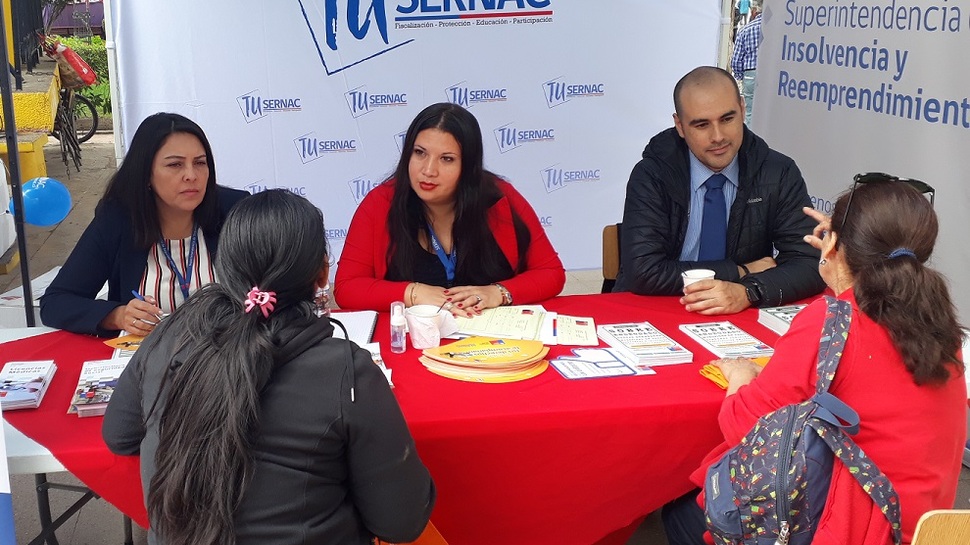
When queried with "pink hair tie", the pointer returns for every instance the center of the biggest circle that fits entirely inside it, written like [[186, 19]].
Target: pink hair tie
[[263, 299]]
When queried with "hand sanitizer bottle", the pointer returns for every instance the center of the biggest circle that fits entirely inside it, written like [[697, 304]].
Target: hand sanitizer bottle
[[399, 341]]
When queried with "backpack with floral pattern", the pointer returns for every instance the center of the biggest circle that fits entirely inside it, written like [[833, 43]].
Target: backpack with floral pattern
[[771, 488]]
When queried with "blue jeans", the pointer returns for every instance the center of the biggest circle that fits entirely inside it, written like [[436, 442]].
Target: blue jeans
[[748, 86]]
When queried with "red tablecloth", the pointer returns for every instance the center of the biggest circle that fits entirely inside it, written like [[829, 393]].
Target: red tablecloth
[[546, 460], [75, 442]]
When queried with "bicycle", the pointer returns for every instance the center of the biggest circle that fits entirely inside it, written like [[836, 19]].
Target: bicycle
[[76, 106], [81, 109]]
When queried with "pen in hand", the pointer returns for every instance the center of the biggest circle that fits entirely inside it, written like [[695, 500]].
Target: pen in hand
[[141, 297]]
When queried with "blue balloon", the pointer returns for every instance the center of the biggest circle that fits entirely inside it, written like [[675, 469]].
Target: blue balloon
[[46, 202]]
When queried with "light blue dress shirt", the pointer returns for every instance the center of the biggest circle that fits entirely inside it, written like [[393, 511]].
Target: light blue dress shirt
[[699, 174]]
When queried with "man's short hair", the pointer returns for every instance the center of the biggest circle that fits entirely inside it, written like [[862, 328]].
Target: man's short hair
[[703, 75], [756, 4]]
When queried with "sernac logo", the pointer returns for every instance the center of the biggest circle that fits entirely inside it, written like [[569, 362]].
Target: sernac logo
[[361, 186], [348, 32], [510, 137], [560, 91], [312, 148], [465, 13], [335, 234], [465, 96], [555, 177], [259, 186], [362, 102], [253, 106], [399, 140]]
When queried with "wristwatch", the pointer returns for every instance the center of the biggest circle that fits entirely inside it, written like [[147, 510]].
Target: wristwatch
[[506, 295], [754, 294]]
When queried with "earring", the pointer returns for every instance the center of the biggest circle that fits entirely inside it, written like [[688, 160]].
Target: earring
[[321, 300], [822, 262]]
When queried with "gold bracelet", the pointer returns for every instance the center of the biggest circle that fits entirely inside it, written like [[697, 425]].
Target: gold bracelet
[[411, 295]]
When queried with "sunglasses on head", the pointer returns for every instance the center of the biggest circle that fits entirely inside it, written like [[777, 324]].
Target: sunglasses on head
[[877, 177]]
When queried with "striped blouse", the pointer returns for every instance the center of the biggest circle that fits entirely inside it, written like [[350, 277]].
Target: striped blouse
[[161, 282]]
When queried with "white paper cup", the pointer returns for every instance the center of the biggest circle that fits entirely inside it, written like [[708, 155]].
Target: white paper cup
[[424, 322], [696, 275]]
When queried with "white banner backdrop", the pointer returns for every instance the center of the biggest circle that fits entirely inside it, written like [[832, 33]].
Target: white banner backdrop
[[874, 85], [315, 95]]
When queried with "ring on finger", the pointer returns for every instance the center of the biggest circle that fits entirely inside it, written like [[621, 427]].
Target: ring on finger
[[448, 306], [478, 299]]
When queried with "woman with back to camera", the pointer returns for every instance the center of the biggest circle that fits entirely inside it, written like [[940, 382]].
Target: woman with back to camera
[[900, 368], [445, 231], [254, 424], [153, 236]]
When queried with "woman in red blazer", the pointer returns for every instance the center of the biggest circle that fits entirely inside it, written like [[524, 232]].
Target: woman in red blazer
[[445, 231], [900, 369]]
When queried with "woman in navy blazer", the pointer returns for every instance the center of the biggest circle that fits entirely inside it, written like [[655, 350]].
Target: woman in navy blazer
[[164, 192]]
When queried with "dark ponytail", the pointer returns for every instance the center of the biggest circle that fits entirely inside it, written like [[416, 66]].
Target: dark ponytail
[[887, 236], [208, 405]]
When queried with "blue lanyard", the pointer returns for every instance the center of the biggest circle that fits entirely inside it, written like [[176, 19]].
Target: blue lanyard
[[184, 281], [448, 260]]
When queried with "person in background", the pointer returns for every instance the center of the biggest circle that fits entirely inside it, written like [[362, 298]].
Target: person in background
[[710, 194], [744, 61], [254, 424], [153, 236], [744, 10], [900, 369], [445, 231]]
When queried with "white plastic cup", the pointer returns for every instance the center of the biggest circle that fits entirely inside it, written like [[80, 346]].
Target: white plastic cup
[[696, 275], [424, 322]]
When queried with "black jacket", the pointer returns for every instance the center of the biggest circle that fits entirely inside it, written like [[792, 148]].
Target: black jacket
[[766, 217], [106, 252], [326, 470]]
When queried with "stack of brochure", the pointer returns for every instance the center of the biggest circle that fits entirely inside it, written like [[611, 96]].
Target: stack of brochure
[[483, 359], [515, 322], [96, 384], [24, 383], [778, 319], [597, 363], [712, 373], [726, 340], [643, 344]]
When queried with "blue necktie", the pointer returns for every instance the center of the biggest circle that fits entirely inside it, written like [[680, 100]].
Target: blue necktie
[[714, 221]]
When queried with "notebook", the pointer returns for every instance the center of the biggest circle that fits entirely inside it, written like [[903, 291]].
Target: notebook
[[360, 325]]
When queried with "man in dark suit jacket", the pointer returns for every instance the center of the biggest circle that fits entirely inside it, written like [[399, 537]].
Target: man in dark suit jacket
[[765, 261]]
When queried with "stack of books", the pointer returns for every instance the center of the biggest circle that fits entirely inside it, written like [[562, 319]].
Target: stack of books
[[778, 319], [95, 385], [24, 383], [642, 344], [486, 359], [726, 340]]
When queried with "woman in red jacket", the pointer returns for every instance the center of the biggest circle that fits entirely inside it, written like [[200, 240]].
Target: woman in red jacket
[[445, 231], [900, 369]]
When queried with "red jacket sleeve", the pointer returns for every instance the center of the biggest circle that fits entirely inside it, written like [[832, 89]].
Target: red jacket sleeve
[[788, 378], [544, 276], [359, 283]]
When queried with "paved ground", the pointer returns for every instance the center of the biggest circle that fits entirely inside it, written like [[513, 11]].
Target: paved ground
[[98, 522]]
